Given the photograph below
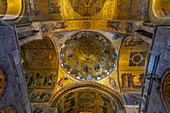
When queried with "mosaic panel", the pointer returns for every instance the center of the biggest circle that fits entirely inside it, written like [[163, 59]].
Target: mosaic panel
[[40, 95], [41, 78], [130, 80], [132, 98]]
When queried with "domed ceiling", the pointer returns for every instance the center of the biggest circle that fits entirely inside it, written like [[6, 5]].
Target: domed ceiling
[[88, 56]]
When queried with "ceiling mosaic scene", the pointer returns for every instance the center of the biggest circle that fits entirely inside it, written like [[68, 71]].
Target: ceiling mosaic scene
[[84, 56]]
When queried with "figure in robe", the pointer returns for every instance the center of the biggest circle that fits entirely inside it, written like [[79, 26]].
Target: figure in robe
[[112, 82], [37, 79], [78, 76], [30, 81], [76, 64], [86, 69], [98, 77], [141, 78], [130, 80], [41, 81], [50, 80], [88, 78], [70, 71], [58, 25], [62, 80], [113, 25], [124, 80], [45, 81], [64, 65]]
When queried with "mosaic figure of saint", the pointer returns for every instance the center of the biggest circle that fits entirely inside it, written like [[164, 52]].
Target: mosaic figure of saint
[[86, 69], [78, 76], [64, 65], [124, 80], [70, 71], [88, 78], [130, 80], [45, 81], [62, 80], [98, 77], [41, 81], [30, 81], [141, 78], [112, 82], [107, 72], [50, 80]]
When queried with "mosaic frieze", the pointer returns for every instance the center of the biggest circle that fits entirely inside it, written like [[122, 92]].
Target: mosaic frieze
[[121, 26], [109, 25], [41, 78], [40, 95], [129, 42]]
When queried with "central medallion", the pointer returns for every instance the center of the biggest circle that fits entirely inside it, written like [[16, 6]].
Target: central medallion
[[87, 7], [88, 49]]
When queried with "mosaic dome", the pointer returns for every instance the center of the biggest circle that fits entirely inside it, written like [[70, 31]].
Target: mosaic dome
[[88, 56]]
